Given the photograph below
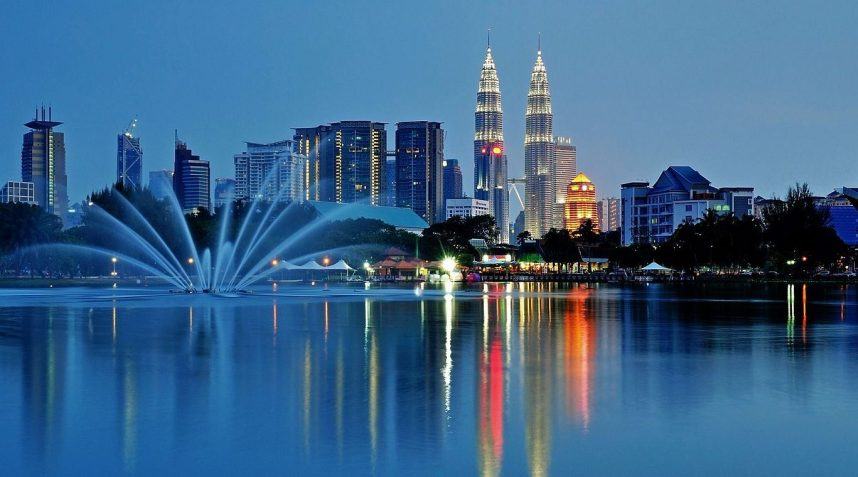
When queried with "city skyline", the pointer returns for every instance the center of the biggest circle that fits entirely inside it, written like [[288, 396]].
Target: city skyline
[[636, 97]]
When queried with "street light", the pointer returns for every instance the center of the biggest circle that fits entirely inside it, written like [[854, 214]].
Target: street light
[[449, 264], [113, 260], [326, 261], [190, 260], [274, 262]]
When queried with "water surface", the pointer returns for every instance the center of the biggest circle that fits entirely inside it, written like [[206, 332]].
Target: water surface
[[506, 379]]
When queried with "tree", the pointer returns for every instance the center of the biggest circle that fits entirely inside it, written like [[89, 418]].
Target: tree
[[25, 225], [452, 237], [559, 247], [523, 237], [796, 230]]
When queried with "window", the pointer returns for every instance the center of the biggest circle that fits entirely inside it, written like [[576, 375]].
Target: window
[[688, 207]]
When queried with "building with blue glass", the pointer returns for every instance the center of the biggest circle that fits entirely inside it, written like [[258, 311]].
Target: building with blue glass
[[129, 158], [842, 208], [420, 168], [191, 179], [650, 214]]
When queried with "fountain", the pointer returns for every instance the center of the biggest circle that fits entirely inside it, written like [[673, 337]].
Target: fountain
[[245, 251]]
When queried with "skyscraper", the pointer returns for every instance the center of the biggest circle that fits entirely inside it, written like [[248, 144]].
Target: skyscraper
[[390, 179], [566, 168], [271, 172], [490, 166], [419, 168], [129, 158], [581, 203], [539, 165], [452, 179], [191, 179], [43, 162], [347, 161]]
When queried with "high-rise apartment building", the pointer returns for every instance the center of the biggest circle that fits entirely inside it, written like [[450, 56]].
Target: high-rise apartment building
[[346, 161], [565, 169], [452, 179], [490, 163], [420, 169], [580, 203], [191, 179], [609, 214], [129, 158], [43, 162], [270, 172], [539, 166], [390, 179]]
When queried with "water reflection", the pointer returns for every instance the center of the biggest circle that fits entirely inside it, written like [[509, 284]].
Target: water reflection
[[508, 379]]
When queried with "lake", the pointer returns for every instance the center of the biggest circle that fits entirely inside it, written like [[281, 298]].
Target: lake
[[510, 379]]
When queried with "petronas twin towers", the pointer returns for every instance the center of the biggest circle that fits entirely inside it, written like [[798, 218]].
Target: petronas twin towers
[[490, 162]]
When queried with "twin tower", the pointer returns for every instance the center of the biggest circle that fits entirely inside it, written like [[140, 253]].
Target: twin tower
[[490, 161]]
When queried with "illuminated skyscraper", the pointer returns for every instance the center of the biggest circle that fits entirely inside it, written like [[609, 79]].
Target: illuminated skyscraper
[[346, 162], [129, 158], [581, 203], [539, 165], [419, 168], [43, 162], [566, 168], [490, 167]]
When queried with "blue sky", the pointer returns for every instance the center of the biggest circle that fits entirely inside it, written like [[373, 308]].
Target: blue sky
[[756, 94]]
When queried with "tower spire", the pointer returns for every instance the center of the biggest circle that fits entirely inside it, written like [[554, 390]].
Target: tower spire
[[539, 43], [489, 38]]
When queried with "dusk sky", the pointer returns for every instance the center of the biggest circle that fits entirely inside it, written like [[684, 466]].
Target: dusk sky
[[758, 94]]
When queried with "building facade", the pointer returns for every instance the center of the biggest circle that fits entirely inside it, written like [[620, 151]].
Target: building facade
[[842, 208], [452, 179], [191, 179], [609, 214], [565, 169], [650, 214], [17, 192], [390, 179], [580, 203], [346, 161], [129, 159], [161, 184], [420, 168], [224, 192], [43, 162], [270, 172], [539, 166], [466, 207], [490, 162]]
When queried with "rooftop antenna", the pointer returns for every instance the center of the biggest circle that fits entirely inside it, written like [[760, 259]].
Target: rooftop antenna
[[49, 113]]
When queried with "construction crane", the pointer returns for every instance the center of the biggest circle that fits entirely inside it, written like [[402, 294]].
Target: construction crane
[[129, 131], [512, 181]]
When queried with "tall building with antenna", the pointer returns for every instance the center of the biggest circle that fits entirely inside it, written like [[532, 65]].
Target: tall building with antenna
[[539, 161], [129, 158], [490, 163], [420, 168], [43, 162]]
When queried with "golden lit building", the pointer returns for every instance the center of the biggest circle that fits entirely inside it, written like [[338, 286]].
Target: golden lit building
[[580, 203]]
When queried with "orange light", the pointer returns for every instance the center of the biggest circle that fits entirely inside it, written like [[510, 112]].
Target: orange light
[[483, 151], [496, 150]]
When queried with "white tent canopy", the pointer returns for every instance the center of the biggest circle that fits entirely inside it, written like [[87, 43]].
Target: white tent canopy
[[311, 265], [340, 266], [655, 267], [288, 266]]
